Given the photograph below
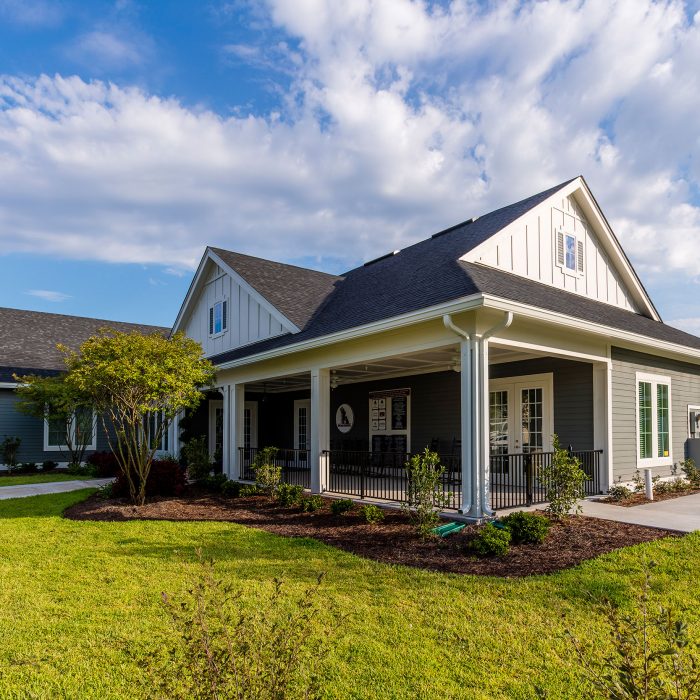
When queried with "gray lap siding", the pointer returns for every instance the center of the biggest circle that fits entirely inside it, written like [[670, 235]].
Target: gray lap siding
[[685, 390], [31, 431]]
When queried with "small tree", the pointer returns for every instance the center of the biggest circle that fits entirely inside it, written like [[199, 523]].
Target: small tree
[[10, 447], [196, 454], [55, 400], [267, 474], [130, 378], [563, 480], [425, 498]]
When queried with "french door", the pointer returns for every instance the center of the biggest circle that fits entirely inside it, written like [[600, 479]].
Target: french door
[[521, 419], [302, 424]]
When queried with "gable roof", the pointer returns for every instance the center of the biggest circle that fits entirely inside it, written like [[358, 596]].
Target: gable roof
[[430, 273], [28, 339], [294, 291]]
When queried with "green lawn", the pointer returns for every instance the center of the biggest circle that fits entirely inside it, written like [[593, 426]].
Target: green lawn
[[21, 479], [79, 599]]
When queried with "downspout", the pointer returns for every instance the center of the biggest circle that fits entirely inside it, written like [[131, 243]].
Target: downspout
[[479, 447]]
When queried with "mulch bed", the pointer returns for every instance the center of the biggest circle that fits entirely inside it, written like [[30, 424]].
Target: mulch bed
[[638, 499], [393, 541]]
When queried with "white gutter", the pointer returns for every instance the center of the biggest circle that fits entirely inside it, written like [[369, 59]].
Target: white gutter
[[8, 385]]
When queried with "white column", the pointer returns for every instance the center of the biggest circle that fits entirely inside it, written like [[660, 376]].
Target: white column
[[482, 396], [226, 424], [236, 420], [465, 382], [174, 436], [602, 420], [320, 427]]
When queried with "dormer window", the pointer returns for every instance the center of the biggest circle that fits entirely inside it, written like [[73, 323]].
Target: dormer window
[[570, 253], [218, 317]]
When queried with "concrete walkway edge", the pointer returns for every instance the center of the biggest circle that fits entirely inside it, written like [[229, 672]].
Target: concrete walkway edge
[[25, 490]]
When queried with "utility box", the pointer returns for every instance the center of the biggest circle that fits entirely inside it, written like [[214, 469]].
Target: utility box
[[693, 449]]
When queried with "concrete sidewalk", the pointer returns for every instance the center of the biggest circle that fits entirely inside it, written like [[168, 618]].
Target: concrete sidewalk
[[682, 514], [25, 490]]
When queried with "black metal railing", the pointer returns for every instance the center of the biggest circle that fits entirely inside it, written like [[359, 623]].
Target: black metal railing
[[383, 475], [296, 465], [517, 480]]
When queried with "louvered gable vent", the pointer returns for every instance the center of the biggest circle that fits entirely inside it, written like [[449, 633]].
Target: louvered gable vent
[[579, 257]]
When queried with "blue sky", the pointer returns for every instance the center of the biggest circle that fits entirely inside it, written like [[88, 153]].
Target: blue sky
[[132, 134]]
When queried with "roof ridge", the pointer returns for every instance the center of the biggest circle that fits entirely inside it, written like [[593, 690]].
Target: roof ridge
[[82, 318], [274, 262]]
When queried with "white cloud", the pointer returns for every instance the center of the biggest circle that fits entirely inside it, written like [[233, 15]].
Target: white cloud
[[403, 118], [689, 325], [49, 295], [33, 13], [108, 50]]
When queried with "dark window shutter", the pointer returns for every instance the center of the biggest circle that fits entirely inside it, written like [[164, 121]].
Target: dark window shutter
[[224, 315], [580, 256], [560, 248], [211, 320]]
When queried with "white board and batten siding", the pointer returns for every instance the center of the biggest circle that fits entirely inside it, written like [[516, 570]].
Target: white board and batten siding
[[528, 248], [248, 320]]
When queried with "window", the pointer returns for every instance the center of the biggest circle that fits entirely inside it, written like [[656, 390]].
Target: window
[[570, 253], [154, 424], [218, 317], [82, 427], [653, 420]]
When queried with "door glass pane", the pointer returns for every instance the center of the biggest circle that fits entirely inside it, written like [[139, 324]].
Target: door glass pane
[[645, 420], [219, 434], [531, 420], [498, 430], [302, 428], [662, 417], [246, 428]]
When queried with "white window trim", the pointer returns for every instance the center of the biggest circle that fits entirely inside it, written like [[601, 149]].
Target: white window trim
[[302, 403], [224, 329], [694, 409], [63, 448], [654, 460], [566, 270]]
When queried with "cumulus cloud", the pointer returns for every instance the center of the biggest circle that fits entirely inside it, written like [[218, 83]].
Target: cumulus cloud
[[49, 295], [402, 118]]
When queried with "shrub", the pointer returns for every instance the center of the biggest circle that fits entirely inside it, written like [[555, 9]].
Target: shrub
[[619, 492], [82, 469], [105, 463], [214, 483], [289, 494], [165, 478], [372, 514], [527, 528], [106, 491], [9, 448], [222, 647], [563, 479], [652, 656], [267, 474], [48, 465], [231, 489], [341, 506], [196, 455], [677, 485], [249, 490], [311, 504], [491, 541], [425, 498], [26, 468], [692, 472]]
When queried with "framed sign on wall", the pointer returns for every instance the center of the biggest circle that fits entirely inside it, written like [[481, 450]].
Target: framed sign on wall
[[390, 420], [344, 418]]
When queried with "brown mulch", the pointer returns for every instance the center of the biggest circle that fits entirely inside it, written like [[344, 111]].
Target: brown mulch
[[393, 541], [638, 499]]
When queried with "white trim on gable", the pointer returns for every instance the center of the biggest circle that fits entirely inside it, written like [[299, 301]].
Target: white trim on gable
[[581, 194]]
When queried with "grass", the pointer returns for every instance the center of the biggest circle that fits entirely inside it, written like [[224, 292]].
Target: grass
[[80, 600], [22, 479]]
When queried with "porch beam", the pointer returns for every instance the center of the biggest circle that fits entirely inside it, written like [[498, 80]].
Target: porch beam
[[320, 427], [225, 391]]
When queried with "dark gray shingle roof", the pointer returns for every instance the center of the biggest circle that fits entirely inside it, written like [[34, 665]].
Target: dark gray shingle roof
[[294, 291], [28, 339]]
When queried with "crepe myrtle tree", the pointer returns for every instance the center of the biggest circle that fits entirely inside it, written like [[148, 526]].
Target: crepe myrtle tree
[[54, 400], [138, 383]]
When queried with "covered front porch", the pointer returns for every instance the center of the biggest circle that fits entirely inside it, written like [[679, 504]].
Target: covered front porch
[[348, 429]]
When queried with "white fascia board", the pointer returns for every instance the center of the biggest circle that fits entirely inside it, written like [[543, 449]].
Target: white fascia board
[[599, 223], [458, 305], [194, 285], [651, 346], [8, 385]]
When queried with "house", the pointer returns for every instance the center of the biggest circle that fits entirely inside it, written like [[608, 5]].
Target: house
[[28, 346], [480, 342]]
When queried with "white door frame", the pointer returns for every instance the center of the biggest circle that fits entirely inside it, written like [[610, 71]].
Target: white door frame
[[252, 406], [213, 406], [302, 403]]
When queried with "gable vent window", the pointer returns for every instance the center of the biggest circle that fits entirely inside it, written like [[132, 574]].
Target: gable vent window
[[570, 253], [218, 317]]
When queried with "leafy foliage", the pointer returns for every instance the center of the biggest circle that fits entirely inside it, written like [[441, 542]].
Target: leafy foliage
[[222, 649], [105, 463], [132, 379], [563, 479], [289, 494], [196, 455], [692, 472], [653, 656], [214, 482], [267, 474], [231, 489], [341, 506], [491, 541], [619, 492], [165, 478], [425, 498], [527, 528], [247, 490], [311, 504], [371, 513], [48, 465], [10, 446]]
